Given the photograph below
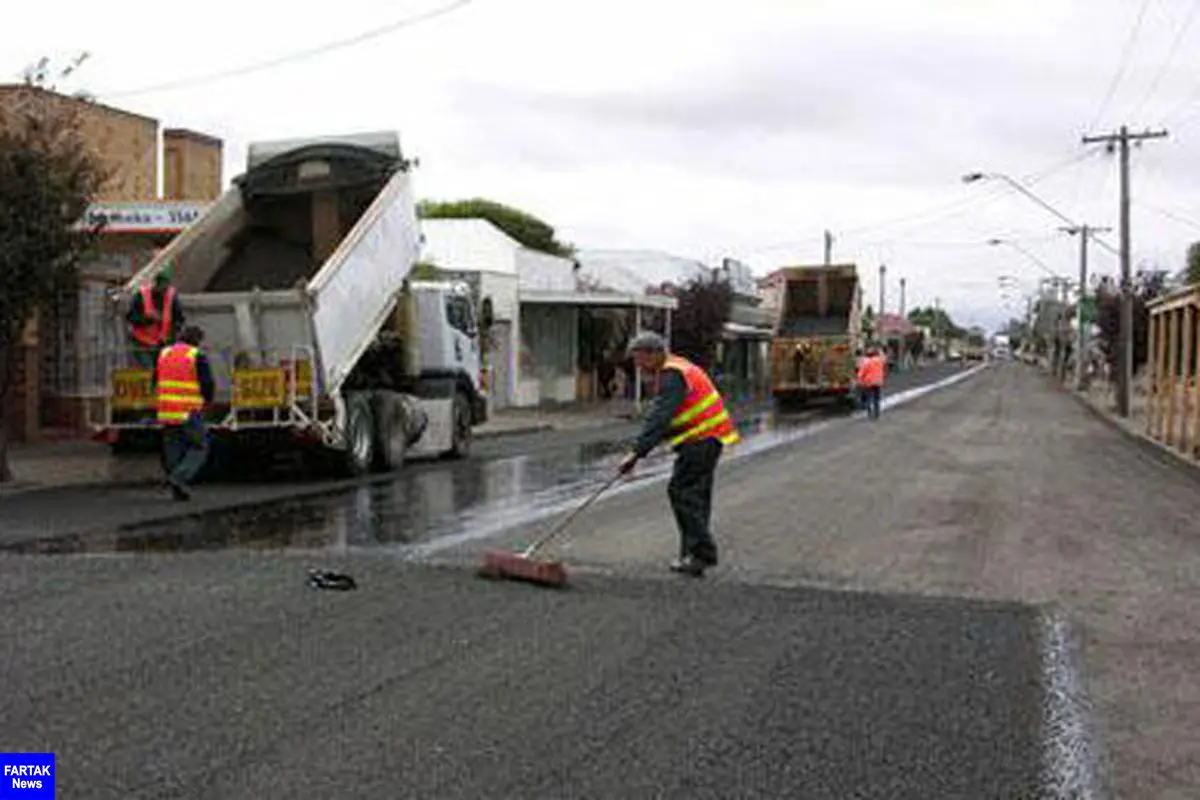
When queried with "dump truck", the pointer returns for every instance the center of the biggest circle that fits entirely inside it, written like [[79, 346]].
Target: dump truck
[[320, 341], [817, 332]]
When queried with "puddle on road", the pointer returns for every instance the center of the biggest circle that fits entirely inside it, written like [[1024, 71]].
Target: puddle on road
[[423, 508]]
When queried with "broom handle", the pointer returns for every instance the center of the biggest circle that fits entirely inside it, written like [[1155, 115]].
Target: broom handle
[[562, 526]]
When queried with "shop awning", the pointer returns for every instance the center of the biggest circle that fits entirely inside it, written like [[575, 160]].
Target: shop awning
[[736, 330], [610, 299]]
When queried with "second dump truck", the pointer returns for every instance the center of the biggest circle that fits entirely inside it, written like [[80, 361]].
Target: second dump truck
[[320, 343], [817, 333]]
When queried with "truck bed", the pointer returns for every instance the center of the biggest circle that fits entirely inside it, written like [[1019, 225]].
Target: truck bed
[[318, 234]]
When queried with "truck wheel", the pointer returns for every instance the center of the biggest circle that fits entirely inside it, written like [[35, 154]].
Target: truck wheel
[[359, 435], [461, 427], [391, 432]]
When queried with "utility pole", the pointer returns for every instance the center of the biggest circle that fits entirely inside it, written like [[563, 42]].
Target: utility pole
[[1084, 232], [882, 285], [937, 327], [1125, 345], [828, 248], [902, 282]]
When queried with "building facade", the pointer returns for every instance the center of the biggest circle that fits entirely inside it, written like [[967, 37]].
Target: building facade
[[61, 373]]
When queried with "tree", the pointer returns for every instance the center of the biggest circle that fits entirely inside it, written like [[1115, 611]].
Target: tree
[[868, 322], [1192, 271], [520, 225], [48, 176], [937, 320], [1147, 285], [699, 321]]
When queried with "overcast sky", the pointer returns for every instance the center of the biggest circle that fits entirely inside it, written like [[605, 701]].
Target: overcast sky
[[710, 128]]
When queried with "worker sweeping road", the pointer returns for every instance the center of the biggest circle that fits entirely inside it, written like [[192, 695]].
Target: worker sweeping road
[[690, 415]]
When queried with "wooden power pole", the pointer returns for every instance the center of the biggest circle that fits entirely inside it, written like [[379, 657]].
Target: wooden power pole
[[1122, 138]]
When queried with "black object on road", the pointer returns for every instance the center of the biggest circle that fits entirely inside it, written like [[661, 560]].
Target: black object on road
[[325, 579]]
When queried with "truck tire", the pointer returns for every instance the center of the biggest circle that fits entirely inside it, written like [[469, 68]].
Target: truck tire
[[359, 434], [390, 419], [460, 436]]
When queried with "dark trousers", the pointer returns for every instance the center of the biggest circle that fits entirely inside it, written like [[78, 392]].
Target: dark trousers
[[871, 395], [690, 492], [185, 450]]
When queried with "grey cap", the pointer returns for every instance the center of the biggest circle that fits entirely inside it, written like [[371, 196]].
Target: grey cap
[[648, 341]]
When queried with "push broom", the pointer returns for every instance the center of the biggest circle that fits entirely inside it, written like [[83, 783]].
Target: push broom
[[523, 566]]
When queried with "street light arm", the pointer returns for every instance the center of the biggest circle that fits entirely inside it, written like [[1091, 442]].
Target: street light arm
[[972, 177]]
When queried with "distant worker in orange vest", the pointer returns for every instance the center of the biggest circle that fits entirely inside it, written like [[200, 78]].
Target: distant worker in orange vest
[[154, 319], [690, 415], [872, 371], [184, 386]]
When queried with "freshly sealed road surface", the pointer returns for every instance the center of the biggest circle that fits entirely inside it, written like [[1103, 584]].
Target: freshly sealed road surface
[[921, 607]]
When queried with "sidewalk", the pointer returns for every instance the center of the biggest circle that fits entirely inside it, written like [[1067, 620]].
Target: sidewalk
[[86, 463]]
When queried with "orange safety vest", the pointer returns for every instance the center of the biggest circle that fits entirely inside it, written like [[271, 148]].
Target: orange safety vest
[[871, 371], [703, 414], [154, 333], [179, 393]]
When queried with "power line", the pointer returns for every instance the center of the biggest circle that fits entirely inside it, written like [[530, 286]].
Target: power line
[[1162, 69], [300, 55], [1168, 214], [1122, 65]]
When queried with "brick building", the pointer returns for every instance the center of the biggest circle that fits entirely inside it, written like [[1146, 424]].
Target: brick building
[[62, 372]]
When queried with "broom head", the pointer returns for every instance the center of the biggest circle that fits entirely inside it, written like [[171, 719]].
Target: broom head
[[503, 565]]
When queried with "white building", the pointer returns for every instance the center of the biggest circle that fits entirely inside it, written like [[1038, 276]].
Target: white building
[[535, 300]]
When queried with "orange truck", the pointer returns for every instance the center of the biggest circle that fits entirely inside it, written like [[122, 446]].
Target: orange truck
[[818, 330]]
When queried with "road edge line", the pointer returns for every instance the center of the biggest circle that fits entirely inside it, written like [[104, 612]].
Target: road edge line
[[1074, 762]]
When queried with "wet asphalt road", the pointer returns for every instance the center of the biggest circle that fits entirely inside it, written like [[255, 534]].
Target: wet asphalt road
[[504, 478]]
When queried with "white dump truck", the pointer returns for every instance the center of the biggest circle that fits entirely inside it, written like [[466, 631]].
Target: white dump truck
[[299, 276]]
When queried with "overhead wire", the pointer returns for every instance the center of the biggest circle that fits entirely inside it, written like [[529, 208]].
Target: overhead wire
[[1180, 32], [299, 55], [1122, 65]]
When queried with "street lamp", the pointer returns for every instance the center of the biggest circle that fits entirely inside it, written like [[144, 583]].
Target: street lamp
[[974, 177]]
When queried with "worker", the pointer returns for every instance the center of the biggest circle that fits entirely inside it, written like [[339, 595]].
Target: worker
[[689, 413], [184, 386], [872, 370], [154, 318]]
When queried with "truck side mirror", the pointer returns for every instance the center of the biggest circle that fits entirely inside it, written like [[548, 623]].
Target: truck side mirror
[[486, 315]]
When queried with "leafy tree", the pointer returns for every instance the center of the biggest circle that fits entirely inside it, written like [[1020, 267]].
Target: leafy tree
[[1192, 272], [699, 321], [425, 271], [868, 322], [937, 320], [1147, 285], [520, 225], [48, 176]]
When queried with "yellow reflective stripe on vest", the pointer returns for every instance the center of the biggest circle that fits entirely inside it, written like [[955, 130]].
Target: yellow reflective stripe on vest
[[706, 425], [708, 402]]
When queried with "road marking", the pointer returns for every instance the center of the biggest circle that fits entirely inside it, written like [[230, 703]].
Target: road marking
[[1073, 764], [493, 521]]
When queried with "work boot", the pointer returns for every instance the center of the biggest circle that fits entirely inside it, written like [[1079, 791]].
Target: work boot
[[178, 490], [688, 565]]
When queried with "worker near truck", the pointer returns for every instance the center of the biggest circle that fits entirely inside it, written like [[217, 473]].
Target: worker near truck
[[184, 386], [871, 373], [155, 317], [690, 415]]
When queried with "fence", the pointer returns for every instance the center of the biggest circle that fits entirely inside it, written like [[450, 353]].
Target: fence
[[1173, 402]]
